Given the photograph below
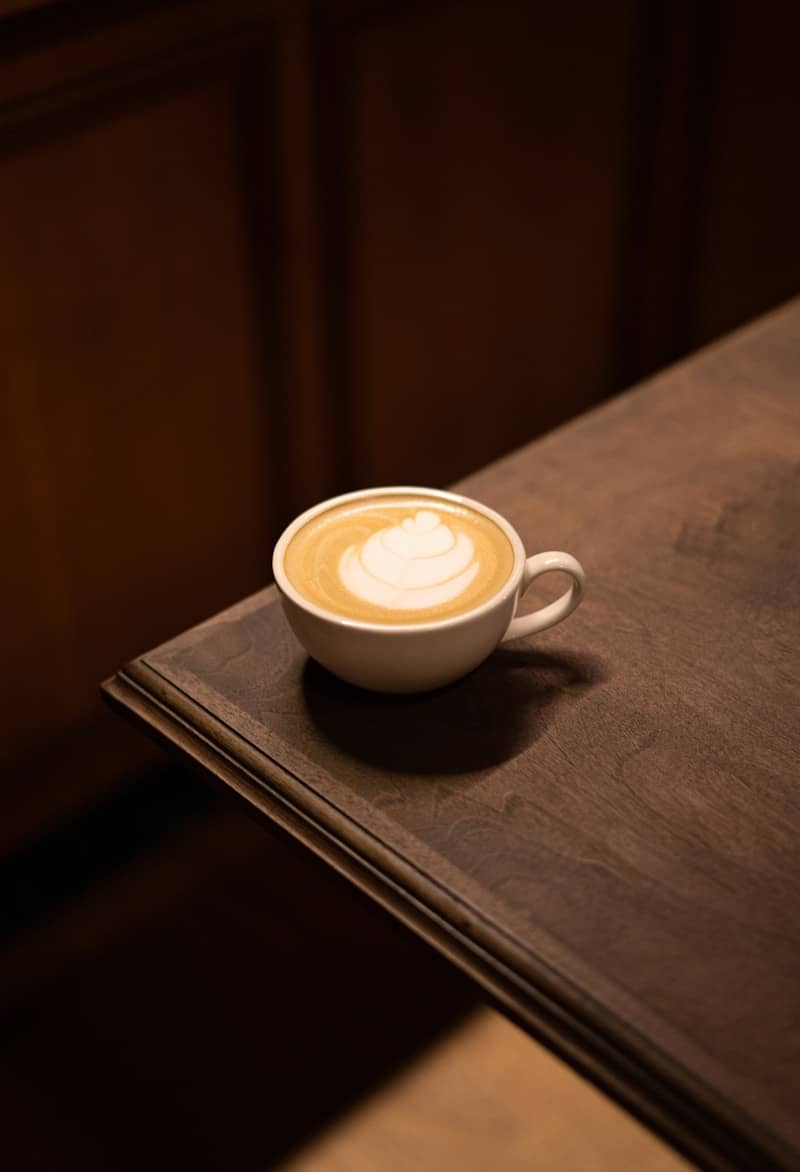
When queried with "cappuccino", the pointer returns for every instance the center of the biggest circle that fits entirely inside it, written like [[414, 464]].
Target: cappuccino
[[399, 559]]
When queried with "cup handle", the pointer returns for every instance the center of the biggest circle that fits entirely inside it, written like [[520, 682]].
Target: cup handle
[[547, 616]]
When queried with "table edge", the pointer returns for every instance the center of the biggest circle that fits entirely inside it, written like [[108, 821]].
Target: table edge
[[670, 1100]]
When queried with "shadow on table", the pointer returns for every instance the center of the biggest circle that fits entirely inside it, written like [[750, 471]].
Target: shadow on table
[[488, 717], [210, 1000]]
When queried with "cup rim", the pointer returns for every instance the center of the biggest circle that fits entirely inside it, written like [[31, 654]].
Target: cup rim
[[509, 588]]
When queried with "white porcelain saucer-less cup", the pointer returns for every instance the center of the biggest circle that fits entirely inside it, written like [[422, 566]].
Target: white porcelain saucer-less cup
[[415, 657]]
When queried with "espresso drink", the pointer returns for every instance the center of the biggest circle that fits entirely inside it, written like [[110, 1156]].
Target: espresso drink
[[399, 559]]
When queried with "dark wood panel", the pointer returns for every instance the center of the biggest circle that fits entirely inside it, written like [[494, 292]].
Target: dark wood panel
[[143, 369], [600, 828], [499, 214], [749, 244], [477, 162], [676, 60]]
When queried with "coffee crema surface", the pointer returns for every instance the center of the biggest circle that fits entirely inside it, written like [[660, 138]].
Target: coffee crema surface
[[399, 559]]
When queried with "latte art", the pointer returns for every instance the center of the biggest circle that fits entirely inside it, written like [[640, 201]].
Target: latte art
[[403, 559], [417, 564]]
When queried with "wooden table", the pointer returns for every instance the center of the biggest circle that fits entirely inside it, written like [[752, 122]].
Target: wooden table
[[601, 825]]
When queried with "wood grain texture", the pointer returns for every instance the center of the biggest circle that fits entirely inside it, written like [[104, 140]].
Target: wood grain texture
[[600, 827]]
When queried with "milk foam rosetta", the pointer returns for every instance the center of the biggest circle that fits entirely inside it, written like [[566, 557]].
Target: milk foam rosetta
[[399, 559], [417, 564]]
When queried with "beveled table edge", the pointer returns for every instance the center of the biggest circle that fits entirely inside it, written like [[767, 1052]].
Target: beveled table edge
[[667, 1098]]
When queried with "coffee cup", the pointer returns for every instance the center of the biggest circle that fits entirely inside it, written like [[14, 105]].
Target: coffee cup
[[404, 589]]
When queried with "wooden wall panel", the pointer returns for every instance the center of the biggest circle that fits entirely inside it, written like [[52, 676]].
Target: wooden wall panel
[[254, 253], [482, 169], [139, 383], [748, 253]]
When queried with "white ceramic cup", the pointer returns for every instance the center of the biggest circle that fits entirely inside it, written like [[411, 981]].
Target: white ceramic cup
[[414, 657]]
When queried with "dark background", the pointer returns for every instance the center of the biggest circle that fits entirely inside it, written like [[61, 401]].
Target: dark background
[[252, 254]]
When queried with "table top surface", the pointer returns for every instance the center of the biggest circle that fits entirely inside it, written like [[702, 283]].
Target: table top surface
[[599, 824]]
